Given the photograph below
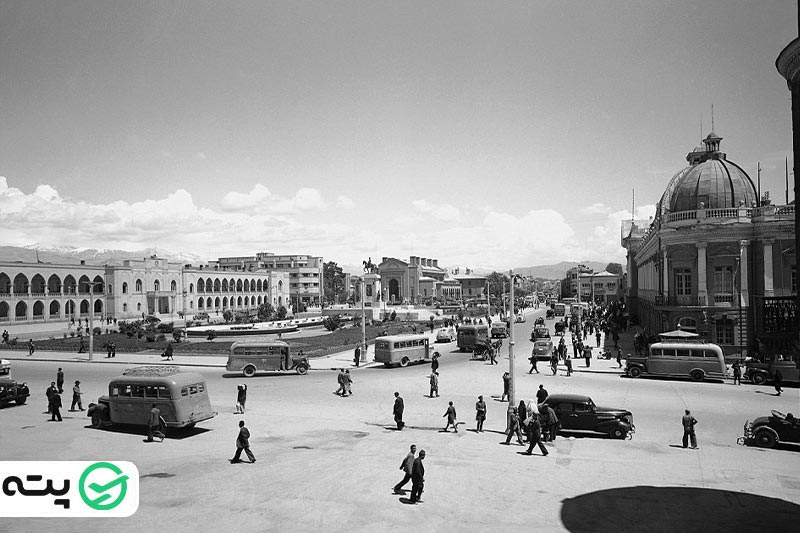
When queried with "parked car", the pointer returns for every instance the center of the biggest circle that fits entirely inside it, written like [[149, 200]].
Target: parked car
[[543, 349], [762, 372], [539, 332], [577, 412], [768, 431], [5, 367], [446, 335], [11, 391]]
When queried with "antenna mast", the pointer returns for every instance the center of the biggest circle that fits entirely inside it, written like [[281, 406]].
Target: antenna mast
[[759, 183], [633, 203]]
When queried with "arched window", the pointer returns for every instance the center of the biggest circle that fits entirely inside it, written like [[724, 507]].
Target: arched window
[[687, 324], [139, 306], [139, 288], [125, 287], [173, 286], [156, 285], [191, 288]]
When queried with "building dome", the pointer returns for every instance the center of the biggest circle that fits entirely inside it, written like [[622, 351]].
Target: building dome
[[710, 180]]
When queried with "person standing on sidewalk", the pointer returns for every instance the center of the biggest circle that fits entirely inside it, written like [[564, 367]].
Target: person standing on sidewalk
[[357, 356], [450, 413], [506, 386], [597, 336], [689, 422], [31, 347], [480, 414], [587, 355], [541, 394], [406, 466], [113, 349], [737, 373], [76, 396], [397, 411], [243, 443], [417, 477], [60, 380]]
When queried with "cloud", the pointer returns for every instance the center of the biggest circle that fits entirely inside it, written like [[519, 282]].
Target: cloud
[[345, 202], [438, 211], [261, 197]]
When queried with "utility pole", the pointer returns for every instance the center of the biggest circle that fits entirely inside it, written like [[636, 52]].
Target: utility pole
[[363, 325]]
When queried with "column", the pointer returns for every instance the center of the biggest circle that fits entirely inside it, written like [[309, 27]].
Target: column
[[702, 273], [744, 291], [769, 286], [665, 276]]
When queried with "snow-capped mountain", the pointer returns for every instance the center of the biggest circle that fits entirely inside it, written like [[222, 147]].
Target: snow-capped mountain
[[71, 254]]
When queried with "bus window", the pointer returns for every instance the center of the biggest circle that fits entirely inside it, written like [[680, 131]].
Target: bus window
[[201, 387], [137, 391], [698, 353], [668, 352], [150, 391], [682, 352], [658, 352], [192, 389], [163, 392], [239, 350], [185, 391]]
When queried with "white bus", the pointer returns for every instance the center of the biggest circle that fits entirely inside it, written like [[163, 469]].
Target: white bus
[[697, 360], [402, 349]]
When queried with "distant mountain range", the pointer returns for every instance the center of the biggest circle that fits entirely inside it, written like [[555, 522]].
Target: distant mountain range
[[92, 256], [559, 270]]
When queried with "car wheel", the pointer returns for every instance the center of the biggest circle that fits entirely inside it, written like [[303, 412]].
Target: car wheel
[[635, 372], [765, 438], [697, 375], [21, 400], [302, 369], [249, 371], [404, 362], [97, 422], [617, 433], [759, 378]]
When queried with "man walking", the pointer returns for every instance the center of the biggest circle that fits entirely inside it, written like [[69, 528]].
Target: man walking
[[777, 381], [541, 394], [340, 380], [348, 382], [113, 349], [55, 406], [406, 466], [554, 363], [506, 386], [417, 477], [31, 347], [568, 365], [450, 413], [533, 361], [513, 427], [434, 384], [398, 411], [153, 423], [76, 396], [535, 434], [243, 443], [357, 356], [480, 414], [689, 422], [60, 380]]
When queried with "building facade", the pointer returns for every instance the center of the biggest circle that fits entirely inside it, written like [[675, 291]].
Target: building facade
[[411, 281], [715, 260]]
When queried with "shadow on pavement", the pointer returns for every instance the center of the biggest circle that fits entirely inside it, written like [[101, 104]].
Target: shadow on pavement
[[645, 508], [172, 433]]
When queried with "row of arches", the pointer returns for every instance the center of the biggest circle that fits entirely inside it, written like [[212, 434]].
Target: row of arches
[[53, 285], [233, 285], [233, 302], [138, 286], [54, 309]]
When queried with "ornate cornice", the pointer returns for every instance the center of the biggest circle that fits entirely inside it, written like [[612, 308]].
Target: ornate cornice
[[788, 62]]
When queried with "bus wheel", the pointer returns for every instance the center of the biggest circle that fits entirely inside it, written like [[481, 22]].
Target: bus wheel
[[404, 362], [697, 375], [302, 369], [249, 371]]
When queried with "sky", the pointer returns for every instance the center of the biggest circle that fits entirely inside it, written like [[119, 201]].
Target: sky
[[489, 135]]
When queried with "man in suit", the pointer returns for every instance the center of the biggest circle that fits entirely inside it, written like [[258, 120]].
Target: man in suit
[[417, 477], [243, 443], [55, 406], [398, 410], [406, 466]]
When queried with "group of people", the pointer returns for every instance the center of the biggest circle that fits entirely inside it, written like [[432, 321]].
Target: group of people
[[345, 382], [54, 392]]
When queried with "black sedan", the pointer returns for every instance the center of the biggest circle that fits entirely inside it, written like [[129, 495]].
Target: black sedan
[[13, 392]]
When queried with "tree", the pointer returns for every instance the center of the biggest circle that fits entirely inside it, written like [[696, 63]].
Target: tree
[[281, 313], [333, 282], [615, 268], [227, 314], [496, 283], [265, 311], [332, 323]]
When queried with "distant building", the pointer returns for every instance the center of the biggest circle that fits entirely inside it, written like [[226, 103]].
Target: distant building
[[473, 286], [410, 281]]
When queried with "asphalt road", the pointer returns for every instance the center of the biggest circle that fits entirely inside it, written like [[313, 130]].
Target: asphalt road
[[328, 463]]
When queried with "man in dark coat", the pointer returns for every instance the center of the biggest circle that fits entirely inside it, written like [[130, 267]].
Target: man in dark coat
[[398, 410], [541, 394], [406, 466], [552, 423], [777, 381], [60, 380], [243, 443], [417, 477], [153, 423], [55, 406], [535, 435], [689, 422], [52, 389]]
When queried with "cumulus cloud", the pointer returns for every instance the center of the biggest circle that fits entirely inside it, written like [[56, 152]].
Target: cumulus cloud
[[438, 211], [260, 196]]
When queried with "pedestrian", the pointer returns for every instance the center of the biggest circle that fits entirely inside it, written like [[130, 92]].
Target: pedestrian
[[777, 380], [689, 422], [492, 355], [55, 406], [597, 336], [619, 357], [241, 398], [348, 382], [113, 349], [568, 364], [81, 347], [450, 413], [243, 443], [168, 352], [406, 466], [340, 380], [153, 424], [541, 394], [397, 411], [514, 427], [552, 424], [5, 336], [480, 414], [737, 373], [60, 380], [506, 386], [52, 389], [587, 355], [76, 396], [31, 346], [417, 477], [435, 362], [357, 356], [554, 363], [535, 434], [533, 359], [574, 347], [434, 384], [108, 350], [522, 412]]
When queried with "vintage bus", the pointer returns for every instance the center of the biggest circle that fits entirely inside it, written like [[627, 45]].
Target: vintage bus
[[401, 350], [251, 357], [696, 360], [182, 398], [467, 336], [560, 309]]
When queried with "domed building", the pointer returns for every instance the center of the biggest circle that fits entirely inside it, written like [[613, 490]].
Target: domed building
[[715, 260]]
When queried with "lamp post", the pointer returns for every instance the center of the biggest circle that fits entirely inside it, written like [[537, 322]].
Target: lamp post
[[511, 396]]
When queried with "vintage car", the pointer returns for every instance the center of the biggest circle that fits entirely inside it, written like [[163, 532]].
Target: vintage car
[[539, 332], [763, 372], [446, 335], [5, 367], [11, 391], [539, 321], [543, 349], [768, 431], [520, 318], [577, 412], [498, 330]]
